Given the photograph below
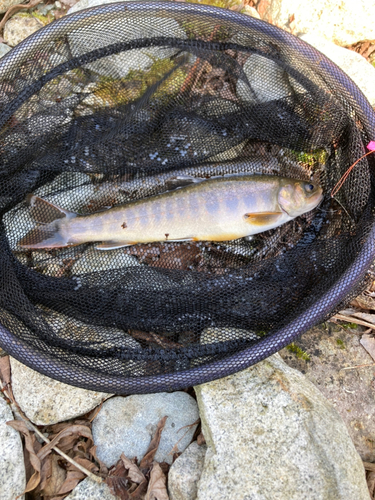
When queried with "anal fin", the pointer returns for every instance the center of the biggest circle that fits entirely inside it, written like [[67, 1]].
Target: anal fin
[[263, 218], [112, 245]]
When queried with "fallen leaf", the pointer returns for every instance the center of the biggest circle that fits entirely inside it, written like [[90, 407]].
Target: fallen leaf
[[73, 477], [35, 461], [157, 487], [79, 430], [133, 473], [368, 342], [370, 318], [147, 460], [5, 370], [102, 468], [54, 476], [117, 481], [201, 439], [370, 478]]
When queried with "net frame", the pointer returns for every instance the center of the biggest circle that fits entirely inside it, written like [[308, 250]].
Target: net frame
[[350, 280]]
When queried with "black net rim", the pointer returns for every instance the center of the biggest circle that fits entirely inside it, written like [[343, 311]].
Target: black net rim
[[267, 346]]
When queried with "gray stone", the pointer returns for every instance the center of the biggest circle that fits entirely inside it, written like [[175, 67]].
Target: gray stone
[[20, 27], [4, 49], [100, 260], [353, 64], [331, 349], [272, 435], [185, 473], [343, 22], [126, 425], [268, 81], [137, 25], [89, 490], [49, 401], [12, 468]]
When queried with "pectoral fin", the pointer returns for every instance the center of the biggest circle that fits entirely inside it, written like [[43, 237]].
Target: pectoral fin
[[263, 218]]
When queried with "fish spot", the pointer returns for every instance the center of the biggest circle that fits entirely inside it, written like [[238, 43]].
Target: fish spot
[[124, 225]]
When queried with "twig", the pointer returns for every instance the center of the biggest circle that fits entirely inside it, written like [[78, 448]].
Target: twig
[[358, 366], [369, 466], [15, 8], [351, 319], [92, 476], [152, 337]]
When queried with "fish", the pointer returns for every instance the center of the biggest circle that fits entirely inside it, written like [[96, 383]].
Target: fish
[[217, 209]]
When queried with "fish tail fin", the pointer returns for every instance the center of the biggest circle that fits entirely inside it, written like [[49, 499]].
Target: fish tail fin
[[48, 234]]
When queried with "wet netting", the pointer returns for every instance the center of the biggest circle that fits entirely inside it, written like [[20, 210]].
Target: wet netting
[[128, 100]]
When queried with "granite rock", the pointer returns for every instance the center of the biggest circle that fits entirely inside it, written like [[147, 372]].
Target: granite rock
[[6, 4], [126, 425], [46, 401], [89, 490], [185, 472], [12, 468], [271, 434], [343, 22], [354, 65], [330, 349], [20, 27]]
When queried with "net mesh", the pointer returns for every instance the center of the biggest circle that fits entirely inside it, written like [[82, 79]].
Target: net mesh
[[122, 102]]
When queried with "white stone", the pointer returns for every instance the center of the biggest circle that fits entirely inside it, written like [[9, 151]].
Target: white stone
[[185, 472], [12, 468], [46, 401], [353, 64], [138, 25], [341, 21], [19, 27], [103, 260], [267, 81], [4, 49], [126, 425], [90, 490], [272, 435]]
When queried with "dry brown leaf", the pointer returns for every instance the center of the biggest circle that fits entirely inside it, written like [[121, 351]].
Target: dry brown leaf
[[54, 476], [368, 342], [201, 439], [34, 480], [139, 493], [147, 460], [80, 430], [102, 468], [370, 478], [73, 477], [133, 473], [5, 370], [370, 318], [157, 487]]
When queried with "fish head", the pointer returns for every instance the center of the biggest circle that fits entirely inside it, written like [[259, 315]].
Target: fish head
[[298, 197]]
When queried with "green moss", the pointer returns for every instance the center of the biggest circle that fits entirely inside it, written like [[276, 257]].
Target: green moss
[[340, 343], [316, 157], [298, 351], [261, 333], [43, 19], [349, 325], [136, 82]]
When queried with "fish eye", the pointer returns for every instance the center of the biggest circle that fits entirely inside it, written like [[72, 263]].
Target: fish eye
[[309, 188]]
